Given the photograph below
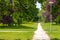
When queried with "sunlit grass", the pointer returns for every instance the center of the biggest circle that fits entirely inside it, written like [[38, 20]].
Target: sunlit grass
[[30, 27], [55, 33], [16, 35]]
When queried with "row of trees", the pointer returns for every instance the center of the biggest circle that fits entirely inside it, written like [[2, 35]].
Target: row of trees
[[17, 11], [54, 10]]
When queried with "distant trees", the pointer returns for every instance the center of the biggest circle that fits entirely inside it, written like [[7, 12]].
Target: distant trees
[[17, 11], [55, 11]]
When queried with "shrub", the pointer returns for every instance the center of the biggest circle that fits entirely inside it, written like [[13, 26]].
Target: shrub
[[58, 19]]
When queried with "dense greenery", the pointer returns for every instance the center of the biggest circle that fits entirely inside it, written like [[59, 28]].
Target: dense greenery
[[53, 9], [17, 11], [20, 11], [56, 11]]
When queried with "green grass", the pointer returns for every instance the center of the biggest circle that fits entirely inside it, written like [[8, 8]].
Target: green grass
[[55, 33], [16, 35], [31, 27], [23, 27]]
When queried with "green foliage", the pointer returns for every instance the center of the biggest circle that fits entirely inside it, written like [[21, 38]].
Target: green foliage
[[41, 1], [18, 10], [56, 8], [2, 8], [58, 19], [27, 9], [56, 11]]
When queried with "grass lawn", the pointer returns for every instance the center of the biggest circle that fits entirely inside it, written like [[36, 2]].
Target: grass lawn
[[23, 27], [16, 35], [55, 34], [31, 27]]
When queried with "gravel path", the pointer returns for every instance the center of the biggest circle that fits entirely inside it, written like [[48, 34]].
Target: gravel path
[[40, 34]]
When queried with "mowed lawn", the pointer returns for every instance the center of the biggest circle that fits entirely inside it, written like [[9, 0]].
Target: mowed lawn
[[22, 27], [30, 27], [16, 35], [55, 33]]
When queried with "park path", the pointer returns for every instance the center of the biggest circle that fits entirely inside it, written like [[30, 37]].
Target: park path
[[40, 34]]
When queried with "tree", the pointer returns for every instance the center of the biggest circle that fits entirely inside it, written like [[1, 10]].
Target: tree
[[2, 9], [17, 11], [27, 9]]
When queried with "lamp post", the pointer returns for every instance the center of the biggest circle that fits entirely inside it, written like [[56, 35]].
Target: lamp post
[[51, 16]]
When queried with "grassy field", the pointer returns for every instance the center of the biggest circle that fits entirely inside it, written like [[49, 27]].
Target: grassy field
[[16, 35], [30, 27], [55, 33], [22, 27]]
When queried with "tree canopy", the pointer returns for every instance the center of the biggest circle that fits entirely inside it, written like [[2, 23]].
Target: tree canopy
[[17, 11]]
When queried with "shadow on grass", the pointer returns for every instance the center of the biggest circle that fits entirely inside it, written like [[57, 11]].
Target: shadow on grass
[[54, 24], [17, 39], [16, 27], [55, 39], [2, 39]]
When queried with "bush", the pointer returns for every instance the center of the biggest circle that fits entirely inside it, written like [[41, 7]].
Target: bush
[[58, 19]]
